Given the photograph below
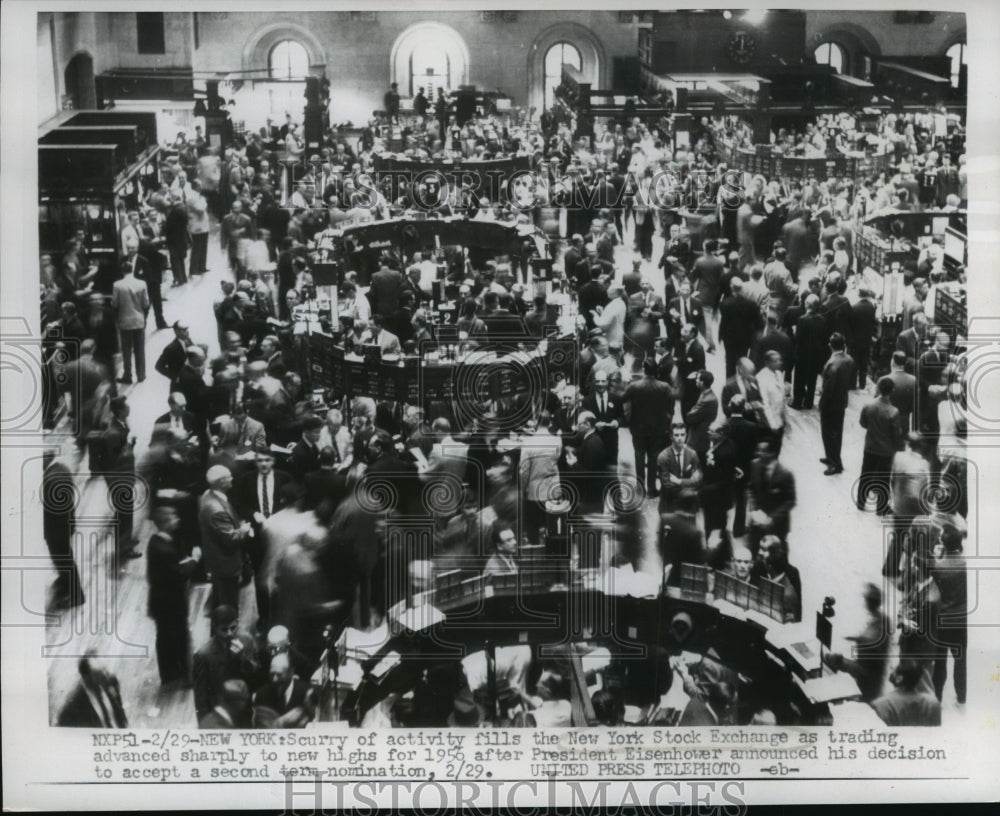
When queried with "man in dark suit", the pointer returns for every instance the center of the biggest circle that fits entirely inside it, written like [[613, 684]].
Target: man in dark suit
[[771, 497], [837, 310], [96, 701], [718, 469], [573, 256], [118, 446], [607, 411], [772, 563], [744, 382], [745, 434], [175, 233], [285, 701], [178, 423], [649, 405], [773, 339], [838, 376], [305, 454], [679, 468], [590, 295], [232, 710], [223, 537], [811, 353], [592, 470], [904, 391], [681, 542], [864, 325], [883, 439], [684, 310], [913, 341], [174, 354], [384, 292], [690, 360], [150, 269], [702, 414], [328, 484], [256, 497], [235, 225], [739, 322], [228, 655], [385, 466], [707, 277], [59, 502], [169, 568]]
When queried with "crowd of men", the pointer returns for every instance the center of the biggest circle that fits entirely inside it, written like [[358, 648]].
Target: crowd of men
[[254, 481]]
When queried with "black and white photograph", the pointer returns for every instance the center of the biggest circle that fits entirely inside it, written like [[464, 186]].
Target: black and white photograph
[[539, 371]]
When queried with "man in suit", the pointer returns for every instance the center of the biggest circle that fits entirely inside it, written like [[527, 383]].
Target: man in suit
[[781, 289], [772, 563], [883, 440], [384, 339], [59, 503], [178, 423], [684, 310], [149, 268], [305, 454], [649, 406], [913, 341], [707, 277], [904, 390], [573, 257], [718, 468], [702, 414], [174, 354], [681, 542], [96, 700], [448, 459], [257, 496], [690, 360], [838, 375], [592, 470], [744, 382], [773, 339], [647, 306], [864, 325], [169, 568], [285, 701], [223, 537], [242, 432], [837, 310], [385, 465], [118, 446], [386, 286], [771, 497], [679, 468], [235, 225], [228, 655], [607, 410], [810, 354], [190, 382], [739, 322], [745, 435], [175, 233], [130, 301], [232, 710]]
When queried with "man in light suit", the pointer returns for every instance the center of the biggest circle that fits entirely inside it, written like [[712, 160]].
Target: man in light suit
[[242, 431], [384, 292], [223, 536], [904, 391], [130, 301], [385, 340]]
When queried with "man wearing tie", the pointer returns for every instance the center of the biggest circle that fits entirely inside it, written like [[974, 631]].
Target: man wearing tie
[[683, 311], [607, 409], [679, 469], [257, 496], [130, 301], [305, 455]]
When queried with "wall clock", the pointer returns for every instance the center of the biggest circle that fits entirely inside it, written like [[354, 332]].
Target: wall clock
[[742, 47]]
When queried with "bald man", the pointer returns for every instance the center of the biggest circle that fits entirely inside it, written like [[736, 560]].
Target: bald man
[[223, 535]]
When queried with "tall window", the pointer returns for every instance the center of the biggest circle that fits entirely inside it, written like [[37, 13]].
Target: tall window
[[430, 69], [831, 54], [559, 54], [289, 60], [957, 55]]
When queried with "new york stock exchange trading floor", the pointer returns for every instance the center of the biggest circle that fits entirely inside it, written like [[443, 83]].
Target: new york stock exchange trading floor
[[573, 637]]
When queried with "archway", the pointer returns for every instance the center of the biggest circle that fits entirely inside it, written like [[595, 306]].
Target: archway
[[79, 81], [431, 55], [857, 47], [582, 41]]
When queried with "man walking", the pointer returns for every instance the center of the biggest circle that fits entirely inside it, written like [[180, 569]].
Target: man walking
[[838, 376], [130, 302]]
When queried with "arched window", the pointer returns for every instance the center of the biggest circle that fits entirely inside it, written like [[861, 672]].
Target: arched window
[[559, 54], [431, 56], [957, 55], [830, 53], [288, 60]]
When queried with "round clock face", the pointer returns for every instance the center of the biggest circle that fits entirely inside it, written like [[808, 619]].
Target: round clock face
[[742, 47]]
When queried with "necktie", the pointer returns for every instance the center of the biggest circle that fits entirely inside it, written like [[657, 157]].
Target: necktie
[[265, 501], [105, 708], [604, 404], [336, 449], [683, 311]]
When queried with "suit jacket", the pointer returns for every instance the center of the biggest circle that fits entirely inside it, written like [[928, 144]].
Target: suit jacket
[[589, 296], [912, 345], [384, 292], [864, 323], [247, 501], [774, 494], [168, 570], [614, 412], [773, 340], [190, 423], [699, 419], [248, 437], [681, 542], [686, 466], [838, 377], [811, 350], [221, 540], [304, 459], [650, 407], [694, 313], [884, 435], [739, 322], [839, 316], [594, 467], [233, 228], [130, 300], [755, 402], [903, 396], [707, 279], [214, 664], [80, 711], [690, 360], [172, 360]]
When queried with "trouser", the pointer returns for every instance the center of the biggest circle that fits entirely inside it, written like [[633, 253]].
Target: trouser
[[711, 325], [178, 255], [740, 512], [133, 343], [173, 647], [226, 591], [156, 301], [715, 503], [255, 552], [831, 419], [875, 472], [804, 387], [777, 437], [647, 447], [954, 639], [121, 490], [898, 532], [199, 253], [67, 586], [862, 360]]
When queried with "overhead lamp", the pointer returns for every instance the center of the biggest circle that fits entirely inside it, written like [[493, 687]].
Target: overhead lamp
[[754, 16], [727, 15]]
